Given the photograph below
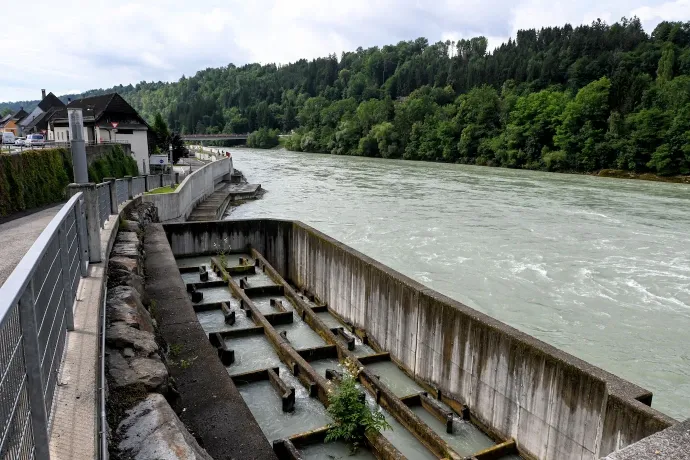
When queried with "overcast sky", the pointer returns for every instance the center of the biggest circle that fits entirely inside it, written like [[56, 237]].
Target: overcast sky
[[75, 45]]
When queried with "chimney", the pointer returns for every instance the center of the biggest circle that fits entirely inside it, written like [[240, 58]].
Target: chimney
[[69, 99], [43, 94]]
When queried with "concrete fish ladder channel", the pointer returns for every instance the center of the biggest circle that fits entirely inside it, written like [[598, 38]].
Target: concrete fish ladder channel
[[516, 387], [339, 345]]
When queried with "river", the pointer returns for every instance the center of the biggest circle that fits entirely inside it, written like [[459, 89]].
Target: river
[[597, 267]]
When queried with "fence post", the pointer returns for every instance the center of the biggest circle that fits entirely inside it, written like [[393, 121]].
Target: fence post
[[93, 221], [34, 377], [80, 216], [63, 247], [147, 183], [113, 193], [129, 187]]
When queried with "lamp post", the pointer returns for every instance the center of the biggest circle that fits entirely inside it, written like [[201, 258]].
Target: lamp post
[[170, 158]]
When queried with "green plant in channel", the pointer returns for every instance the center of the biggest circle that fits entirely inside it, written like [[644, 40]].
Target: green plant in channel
[[353, 417], [222, 249]]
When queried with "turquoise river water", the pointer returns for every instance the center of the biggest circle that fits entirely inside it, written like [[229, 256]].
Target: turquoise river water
[[597, 267]]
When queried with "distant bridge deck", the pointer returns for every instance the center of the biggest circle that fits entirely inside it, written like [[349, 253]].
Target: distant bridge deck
[[214, 137]]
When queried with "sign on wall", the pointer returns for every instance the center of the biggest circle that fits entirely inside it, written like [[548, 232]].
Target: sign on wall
[[159, 160]]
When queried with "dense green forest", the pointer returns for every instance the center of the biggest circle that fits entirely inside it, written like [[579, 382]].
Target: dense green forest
[[561, 98]]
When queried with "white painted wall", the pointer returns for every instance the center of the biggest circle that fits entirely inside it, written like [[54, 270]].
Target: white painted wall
[[140, 148], [59, 134]]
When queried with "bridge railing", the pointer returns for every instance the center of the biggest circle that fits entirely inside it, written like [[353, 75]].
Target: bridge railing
[[36, 311]]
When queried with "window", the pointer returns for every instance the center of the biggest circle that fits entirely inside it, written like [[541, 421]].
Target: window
[[125, 131]]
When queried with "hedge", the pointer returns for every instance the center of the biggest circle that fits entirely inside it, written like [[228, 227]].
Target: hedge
[[36, 178], [32, 179], [115, 164]]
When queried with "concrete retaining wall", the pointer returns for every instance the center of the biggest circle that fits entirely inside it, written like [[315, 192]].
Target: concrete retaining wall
[[555, 405], [177, 205]]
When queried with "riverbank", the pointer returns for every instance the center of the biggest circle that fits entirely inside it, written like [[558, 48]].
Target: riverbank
[[620, 174], [611, 173]]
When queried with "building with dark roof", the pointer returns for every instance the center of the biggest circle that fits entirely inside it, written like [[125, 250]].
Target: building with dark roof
[[107, 118], [36, 121], [10, 123]]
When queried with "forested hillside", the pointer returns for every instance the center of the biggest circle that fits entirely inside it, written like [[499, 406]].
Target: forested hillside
[[561, 98]]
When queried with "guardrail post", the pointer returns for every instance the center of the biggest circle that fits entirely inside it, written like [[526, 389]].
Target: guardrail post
[[177, 178], [113, 193], [63, 247], [93, 221], [80, 215], [129, 187], [34, 378]]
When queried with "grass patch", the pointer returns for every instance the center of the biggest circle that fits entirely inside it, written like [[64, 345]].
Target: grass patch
[[159, 190]]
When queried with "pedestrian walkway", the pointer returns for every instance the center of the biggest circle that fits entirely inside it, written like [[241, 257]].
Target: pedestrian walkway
[[17, 236]]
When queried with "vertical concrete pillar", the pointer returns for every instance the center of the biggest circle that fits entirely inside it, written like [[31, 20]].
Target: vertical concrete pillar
[[113, 193], [147, 183], [129, 187], [93, 225]]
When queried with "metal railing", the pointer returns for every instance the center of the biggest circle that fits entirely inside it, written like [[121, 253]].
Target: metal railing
[[138, 185], [103, 202], [121, 190], [36, 311]]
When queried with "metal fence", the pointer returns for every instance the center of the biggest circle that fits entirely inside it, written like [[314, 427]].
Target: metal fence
[[121, 190], [138, 185], [36, 310], [103, 202], [167, 179]]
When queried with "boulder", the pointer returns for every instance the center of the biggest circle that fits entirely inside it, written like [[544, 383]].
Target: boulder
[[127, 237], [129, 226], [149, 372], [123, 263], [130, 250], [117, 277], [152, 430], [128, 296], [120, 335]]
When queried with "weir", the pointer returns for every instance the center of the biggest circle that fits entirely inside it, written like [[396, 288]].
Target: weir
[[509, 385]]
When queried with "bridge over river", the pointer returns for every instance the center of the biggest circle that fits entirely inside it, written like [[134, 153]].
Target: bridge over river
[[214, 137]]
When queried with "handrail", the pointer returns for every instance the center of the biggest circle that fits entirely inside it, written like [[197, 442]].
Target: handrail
[[37, 310], [12, 289], [34, 327]]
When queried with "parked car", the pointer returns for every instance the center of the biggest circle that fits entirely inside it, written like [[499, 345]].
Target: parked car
[[8, 138], [20, 141], [35, 140]]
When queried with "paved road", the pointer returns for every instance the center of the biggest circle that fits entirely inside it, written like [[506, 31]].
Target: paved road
[[17, 236]]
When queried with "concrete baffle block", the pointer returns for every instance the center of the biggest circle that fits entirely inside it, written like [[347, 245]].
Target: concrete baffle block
[[227, 356], [216, 339], [197, 296]]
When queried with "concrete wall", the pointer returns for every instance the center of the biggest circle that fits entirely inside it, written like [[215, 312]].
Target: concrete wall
[[177, 205], [140, 148], [555, 405]]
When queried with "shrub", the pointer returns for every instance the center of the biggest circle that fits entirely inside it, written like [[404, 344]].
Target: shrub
[[353, 417], [32, 179], [114, 164], [264, 138], [36, 178]]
